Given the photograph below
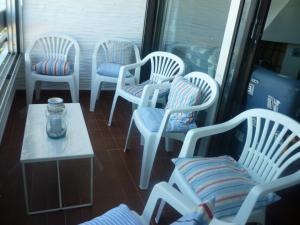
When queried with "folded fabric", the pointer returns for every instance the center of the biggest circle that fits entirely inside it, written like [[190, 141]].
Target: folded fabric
[[222, 179], [53, 67], [120, 215]]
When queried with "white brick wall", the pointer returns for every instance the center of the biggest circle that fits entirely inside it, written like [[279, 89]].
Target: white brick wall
[[88, 21]]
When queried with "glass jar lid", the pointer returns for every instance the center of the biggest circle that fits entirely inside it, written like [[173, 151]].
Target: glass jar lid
[[55, 105]]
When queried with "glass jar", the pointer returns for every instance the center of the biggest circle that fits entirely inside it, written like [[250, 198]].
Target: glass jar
[[56, 123]]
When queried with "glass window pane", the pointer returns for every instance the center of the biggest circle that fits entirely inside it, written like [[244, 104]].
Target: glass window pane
[[3, 32], [194, 31]]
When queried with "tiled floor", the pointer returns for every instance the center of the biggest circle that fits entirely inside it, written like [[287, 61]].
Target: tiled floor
[[116, 172]]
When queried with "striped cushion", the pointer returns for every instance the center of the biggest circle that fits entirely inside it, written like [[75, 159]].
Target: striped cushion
[[137, 89], [152, 117], [120, 215], [183, 94], [222, 179], [53, 67], [202, 216]]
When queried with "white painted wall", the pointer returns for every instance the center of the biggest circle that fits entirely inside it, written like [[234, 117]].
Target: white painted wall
[[285, 26], [88, 21]]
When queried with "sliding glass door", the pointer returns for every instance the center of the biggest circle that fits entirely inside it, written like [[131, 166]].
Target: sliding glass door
[[194, 30]]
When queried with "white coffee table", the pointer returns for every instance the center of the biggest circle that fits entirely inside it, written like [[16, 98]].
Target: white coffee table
[[38, 147]]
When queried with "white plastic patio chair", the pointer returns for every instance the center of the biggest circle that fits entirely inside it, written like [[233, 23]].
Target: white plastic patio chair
[[116, 51], [52, 47], [209, 90], [164, 67], [184, 205], [272, 144]]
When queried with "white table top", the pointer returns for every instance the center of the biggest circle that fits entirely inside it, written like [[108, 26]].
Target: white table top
[[37, 146]]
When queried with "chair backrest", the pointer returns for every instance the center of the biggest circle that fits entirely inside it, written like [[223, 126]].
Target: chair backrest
[[57, 46], [164, 65], [119, 51], [208, 86], [272, 144]]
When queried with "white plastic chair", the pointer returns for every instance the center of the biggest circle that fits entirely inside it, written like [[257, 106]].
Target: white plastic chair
[[272, 144], [164, 67], [52, 46], [102, 54], [184, 205], [209, 97]]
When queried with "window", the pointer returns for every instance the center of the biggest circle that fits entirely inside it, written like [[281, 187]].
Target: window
[[10, 56]]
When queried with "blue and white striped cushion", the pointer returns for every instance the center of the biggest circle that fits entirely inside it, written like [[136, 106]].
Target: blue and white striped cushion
[[53, 67], [222, 179], [120, 215], [183, 94], [137, 89], [152, 117]]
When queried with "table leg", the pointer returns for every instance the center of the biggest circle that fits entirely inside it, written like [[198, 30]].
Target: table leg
[[59, 186], [25, 187], [92, 181]]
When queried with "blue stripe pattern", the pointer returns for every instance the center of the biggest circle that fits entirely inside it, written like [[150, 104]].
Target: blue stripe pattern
[[137, 90], [120, 215], [183, 94], [222, 179], [120, 52], [53, 67]]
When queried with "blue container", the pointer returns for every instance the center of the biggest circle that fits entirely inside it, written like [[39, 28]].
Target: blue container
[[272, 91]]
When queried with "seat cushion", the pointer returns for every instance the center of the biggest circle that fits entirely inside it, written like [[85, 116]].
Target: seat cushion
[[53, 67], [120, 215], [222, 179], [152, 117], [109, 69], [183, 94], [137, 90]]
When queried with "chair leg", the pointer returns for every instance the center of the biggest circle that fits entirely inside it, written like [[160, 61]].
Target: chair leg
[[134, 107], [142, 140], [163, 203], [74, 92], [95, 89], [113, 108], [128, 133], [169, 144], [29, 91], [258, 217], [149, 152], [38, 90]]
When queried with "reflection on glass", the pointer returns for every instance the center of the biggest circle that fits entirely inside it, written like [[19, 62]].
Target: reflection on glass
[[193, 30], [3, 31]]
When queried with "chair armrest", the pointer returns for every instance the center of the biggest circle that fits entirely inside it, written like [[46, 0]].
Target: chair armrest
[[27, 58], [124, 69], [150, 94], [189, 144], [263, 189], [169, 194]]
